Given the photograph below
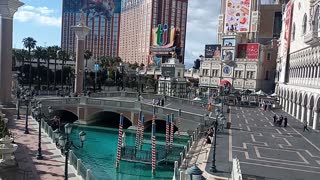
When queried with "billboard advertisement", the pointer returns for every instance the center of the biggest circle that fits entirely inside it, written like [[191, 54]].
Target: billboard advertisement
[[229, 42], [237, 16], [104, 8], [248, 51], [212, 50], [227, 55], [165, 37]]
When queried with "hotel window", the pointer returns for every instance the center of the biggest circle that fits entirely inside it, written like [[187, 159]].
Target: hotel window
[[205, 72], [238, 74], [215, 73], [250, 75], [293, 31], [269, 56], [304, 24]]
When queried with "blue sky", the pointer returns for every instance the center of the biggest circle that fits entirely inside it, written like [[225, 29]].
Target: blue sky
[[40, 19]]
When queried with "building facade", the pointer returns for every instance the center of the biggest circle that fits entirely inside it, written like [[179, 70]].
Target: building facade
[[243, 57], [102, 17], [172, 81], [139, 18], [298, 77]]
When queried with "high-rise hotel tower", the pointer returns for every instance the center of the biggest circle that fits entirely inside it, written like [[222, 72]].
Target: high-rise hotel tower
[[144, 21], [102, 17]]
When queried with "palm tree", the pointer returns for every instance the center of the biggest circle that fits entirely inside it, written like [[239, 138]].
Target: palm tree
[[53, 53], [87, 55], [64, 56], [30, 44], [39, 53]]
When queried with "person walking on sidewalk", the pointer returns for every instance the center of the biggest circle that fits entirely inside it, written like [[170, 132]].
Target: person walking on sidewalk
[[274, 118], [305, 125], [285, 121]]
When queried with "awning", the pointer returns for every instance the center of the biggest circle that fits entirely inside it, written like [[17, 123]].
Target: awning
[[224, 83]]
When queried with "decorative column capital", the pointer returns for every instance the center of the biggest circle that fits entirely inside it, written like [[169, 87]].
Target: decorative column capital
[[80, 31], [9, 7], [316, 110]]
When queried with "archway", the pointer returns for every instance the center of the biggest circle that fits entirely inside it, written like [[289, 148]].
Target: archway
[[160, 126], [64, 118], [108, 119], [299, 102], [310, 110], [316, 118]]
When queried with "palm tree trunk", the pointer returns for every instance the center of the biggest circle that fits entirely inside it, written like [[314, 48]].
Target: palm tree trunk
[[48, 74], [38, 74], [55, 74], [30, 69], [86, 62]]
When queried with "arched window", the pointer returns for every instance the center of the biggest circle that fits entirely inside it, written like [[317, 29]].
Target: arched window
[[304, 24], [293, 32]]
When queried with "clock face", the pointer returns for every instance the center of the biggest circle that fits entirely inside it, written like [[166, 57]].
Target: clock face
[[226, 70]]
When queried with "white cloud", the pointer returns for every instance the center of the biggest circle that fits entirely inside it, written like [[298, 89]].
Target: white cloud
[[201, 27], [40, 15]]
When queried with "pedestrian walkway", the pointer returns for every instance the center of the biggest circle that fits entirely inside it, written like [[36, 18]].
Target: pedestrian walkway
[[200, 154], [52, 165]]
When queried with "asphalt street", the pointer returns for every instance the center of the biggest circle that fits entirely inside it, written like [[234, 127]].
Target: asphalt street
[[270, 152]]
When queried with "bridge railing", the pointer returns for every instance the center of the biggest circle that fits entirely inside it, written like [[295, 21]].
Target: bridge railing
[[146, 96], [119, 104]]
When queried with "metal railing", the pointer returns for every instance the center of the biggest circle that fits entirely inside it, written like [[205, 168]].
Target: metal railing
[[84, 172]]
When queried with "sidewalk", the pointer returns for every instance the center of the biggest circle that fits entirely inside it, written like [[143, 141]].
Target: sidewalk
[[29, 168], [201, 155]]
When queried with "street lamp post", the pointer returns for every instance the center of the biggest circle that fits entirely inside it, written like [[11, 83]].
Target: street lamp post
[[66, 144], [38, 115], [27, 99], [123, 78], [213, 166]]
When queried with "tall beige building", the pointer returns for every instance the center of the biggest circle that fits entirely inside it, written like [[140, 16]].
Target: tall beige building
[[140, 17], [245, 55]]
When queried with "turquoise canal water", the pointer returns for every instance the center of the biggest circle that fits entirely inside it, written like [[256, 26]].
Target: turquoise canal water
[[100, 149]]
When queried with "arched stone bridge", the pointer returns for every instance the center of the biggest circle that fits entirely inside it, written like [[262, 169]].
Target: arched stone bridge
[[84, 107]]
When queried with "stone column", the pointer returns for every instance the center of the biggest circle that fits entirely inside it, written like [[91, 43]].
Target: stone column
[[81, 31], [298, 111], [309, 115], [290, 107], [315, 119], [293, 113], [303, 112], [7, 10], [287, 105]]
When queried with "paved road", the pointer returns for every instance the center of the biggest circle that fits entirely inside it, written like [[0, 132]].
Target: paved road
[[269, 152]]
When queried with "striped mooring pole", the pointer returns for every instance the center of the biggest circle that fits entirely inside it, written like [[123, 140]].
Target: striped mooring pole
[[167, 131], [119, 141], [179, 123], [138, 131], [142, 131], [172, 130], [153, 148]]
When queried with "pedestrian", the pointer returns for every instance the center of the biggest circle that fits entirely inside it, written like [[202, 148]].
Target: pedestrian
[[153, 102], [285, 121], [162, 102], [280, 120], [274, 118], [305, 125]]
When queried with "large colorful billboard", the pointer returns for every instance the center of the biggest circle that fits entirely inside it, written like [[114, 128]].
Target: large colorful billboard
[[237, 16], [227, 54], [165, 37], [248, 51], [212, 50], [103, 8]]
